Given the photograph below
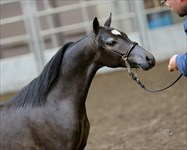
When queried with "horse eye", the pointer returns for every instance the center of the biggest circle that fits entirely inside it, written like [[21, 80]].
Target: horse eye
[[111, 43]]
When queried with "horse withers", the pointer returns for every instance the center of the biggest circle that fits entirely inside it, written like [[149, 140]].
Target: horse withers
[[49, 113]]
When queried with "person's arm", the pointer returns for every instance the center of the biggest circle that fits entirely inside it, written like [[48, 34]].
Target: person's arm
[[178, 62]]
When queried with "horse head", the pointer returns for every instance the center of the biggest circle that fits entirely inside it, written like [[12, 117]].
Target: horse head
[[113, 45]]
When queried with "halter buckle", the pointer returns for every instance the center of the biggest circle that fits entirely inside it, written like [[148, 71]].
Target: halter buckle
[[124, 57]]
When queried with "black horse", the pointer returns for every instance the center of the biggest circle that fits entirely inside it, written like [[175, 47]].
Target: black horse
[[50, 113]]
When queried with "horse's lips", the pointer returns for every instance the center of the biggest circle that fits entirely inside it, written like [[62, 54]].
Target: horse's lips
[[143, 68]]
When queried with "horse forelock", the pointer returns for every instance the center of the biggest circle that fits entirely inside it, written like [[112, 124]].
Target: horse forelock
[[34, 94]]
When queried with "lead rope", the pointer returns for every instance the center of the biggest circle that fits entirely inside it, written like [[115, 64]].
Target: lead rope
[[135, 78]]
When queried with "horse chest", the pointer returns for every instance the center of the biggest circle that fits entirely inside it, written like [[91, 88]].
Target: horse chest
[[65, 131], [76, 128], [68, 129], [74, 124]]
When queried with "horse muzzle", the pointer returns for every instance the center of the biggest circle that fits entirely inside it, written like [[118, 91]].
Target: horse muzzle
[[140, 58]]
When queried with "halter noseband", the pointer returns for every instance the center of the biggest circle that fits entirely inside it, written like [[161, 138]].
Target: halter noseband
[[123, 56]]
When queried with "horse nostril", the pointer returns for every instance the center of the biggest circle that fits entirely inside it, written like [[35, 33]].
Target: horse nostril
[[148, 60]]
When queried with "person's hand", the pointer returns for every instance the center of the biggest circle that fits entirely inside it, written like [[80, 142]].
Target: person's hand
[[172, 66]]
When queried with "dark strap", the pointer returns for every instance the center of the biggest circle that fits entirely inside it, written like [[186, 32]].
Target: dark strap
[[130, 49], [123, 55], [134, 77]]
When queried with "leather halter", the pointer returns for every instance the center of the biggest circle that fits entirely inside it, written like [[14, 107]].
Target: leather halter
[[133, 76], [125, 55]]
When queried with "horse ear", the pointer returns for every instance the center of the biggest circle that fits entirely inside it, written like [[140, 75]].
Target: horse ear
[[96, 25], [108, 21]]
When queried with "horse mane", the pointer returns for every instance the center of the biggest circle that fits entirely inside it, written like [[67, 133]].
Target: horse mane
[[36, 91]]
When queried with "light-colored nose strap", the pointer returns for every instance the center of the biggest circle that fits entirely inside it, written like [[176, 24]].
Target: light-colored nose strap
[[127, 64]]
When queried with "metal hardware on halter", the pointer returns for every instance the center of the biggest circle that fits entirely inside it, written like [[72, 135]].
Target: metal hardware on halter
[[127, 64], [125, 57]]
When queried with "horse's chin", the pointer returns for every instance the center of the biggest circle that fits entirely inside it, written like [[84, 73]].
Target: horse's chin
[[144, 67]]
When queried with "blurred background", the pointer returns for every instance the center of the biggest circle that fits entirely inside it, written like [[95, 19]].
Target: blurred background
[[121, 114]]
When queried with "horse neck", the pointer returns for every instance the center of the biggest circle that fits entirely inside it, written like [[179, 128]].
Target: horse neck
[[78, 68]]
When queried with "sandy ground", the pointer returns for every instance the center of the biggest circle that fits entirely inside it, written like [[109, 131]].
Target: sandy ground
[[124, 117]]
